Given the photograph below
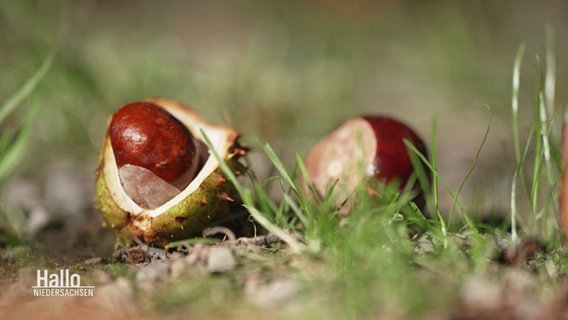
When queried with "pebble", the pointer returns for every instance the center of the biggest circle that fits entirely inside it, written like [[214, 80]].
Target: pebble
[[154, 271], [482, 293], [93, 261], [276, 292], [220, 260]]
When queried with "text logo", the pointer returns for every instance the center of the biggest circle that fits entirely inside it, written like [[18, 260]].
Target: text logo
[[60, 284]]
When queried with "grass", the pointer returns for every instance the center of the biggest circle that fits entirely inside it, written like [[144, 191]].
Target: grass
[[372, 261], [375, 266], [540, 186], [13, 144], [369, 253]]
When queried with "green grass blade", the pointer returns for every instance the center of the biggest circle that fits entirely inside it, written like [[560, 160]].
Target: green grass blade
[[279, 166], [433, 166], [13, 153], [436, 177], [470, 171], [26, 89], [515, 100], [516, 137], [248, 202], [550, 73], [292, 204]]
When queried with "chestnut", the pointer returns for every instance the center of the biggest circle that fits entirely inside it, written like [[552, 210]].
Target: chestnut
[[151, 146], [364, 147], [145, 135]]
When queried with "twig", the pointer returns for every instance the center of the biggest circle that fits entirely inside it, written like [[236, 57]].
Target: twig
[[266, 240], [219, 229]]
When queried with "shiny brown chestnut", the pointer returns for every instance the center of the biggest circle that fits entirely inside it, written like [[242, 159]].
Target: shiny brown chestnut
[[145, 135]]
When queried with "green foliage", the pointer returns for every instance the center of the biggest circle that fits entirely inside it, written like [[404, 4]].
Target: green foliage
[[371, 253], [378, 262], [538, 159], [13, 144]]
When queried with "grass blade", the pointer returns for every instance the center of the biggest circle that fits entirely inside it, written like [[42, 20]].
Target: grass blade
[[550, 73], [516, 137], [26, 89], [470, 171], [248, 202], [14, 152], [515, 100]]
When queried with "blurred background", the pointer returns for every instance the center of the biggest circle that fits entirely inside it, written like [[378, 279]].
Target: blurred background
[[281, 72]]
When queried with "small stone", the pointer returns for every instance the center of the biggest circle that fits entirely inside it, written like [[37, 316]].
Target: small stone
[[92, 261], [272, 293], [157, 254], [482, 294], [424, 245], [197, 256], [220, 260], [153, 272]]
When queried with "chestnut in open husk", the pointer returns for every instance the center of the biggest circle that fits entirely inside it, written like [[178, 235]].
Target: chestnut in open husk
[[157, 180]]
